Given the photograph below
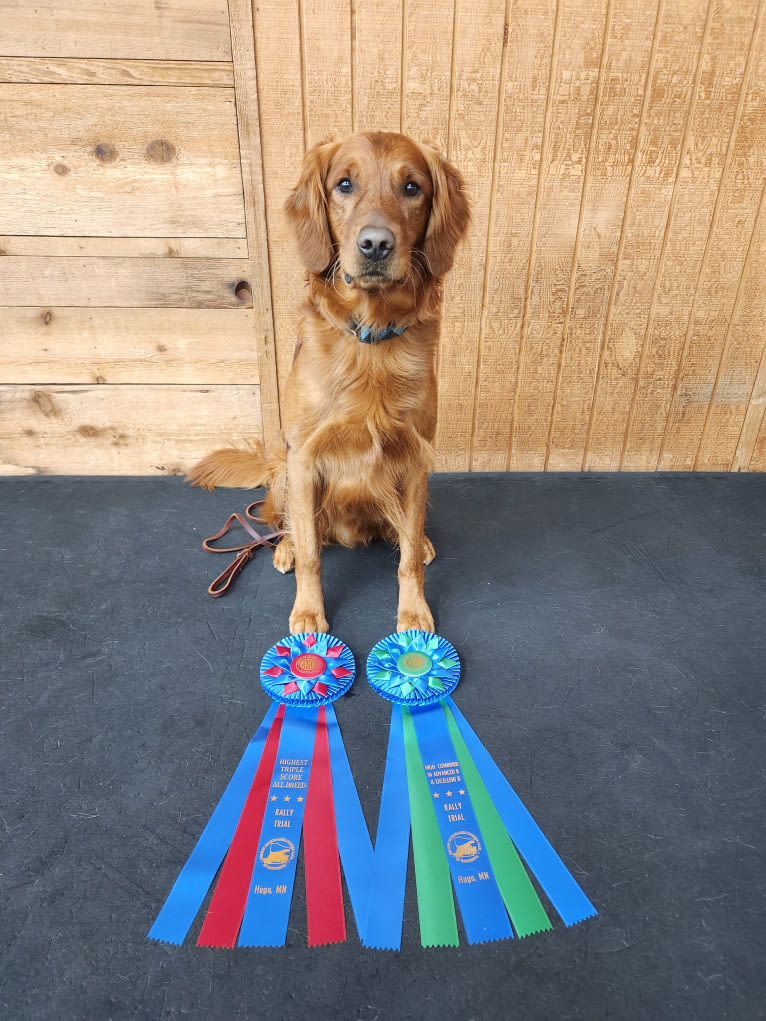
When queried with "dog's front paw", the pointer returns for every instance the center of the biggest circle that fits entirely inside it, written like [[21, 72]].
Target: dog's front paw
[[304, 621], [421, 621], [284, 557]]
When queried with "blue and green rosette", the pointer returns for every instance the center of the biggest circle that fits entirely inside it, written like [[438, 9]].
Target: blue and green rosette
[[471, 835], [413, 668]]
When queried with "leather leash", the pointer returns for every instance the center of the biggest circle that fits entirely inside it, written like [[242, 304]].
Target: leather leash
[[245, 551]]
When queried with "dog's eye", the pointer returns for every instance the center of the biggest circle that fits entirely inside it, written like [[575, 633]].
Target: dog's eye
[[344, 186], [411, 189]]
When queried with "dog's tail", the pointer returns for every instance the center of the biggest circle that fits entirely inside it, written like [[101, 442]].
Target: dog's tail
[[241, 469]]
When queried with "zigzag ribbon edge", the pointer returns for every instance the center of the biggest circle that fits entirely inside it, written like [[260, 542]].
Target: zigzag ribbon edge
[[559, 885], [378, 907], [196, 877]]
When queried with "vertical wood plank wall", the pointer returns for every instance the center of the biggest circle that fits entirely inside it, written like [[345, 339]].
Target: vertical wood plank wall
[[607, 311]]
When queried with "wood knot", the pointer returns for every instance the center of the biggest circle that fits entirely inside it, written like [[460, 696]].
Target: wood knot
[[590, 250], [61, 169], [45, 403], [105, 152], [47, 316], [89, 432], [160, 151]]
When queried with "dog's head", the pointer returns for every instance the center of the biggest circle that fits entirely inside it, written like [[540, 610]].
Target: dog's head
[[378, 209]]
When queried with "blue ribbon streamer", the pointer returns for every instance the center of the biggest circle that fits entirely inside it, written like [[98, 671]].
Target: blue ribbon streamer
[[385, 908], [189, 890], [481, 904], [267, 910], [556, 880], [354, 843]]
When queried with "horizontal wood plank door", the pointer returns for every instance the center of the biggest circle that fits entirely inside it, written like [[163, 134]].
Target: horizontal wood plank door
[[132, 317]]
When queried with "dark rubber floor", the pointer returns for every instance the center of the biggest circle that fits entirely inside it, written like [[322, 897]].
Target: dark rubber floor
[[613, 641]]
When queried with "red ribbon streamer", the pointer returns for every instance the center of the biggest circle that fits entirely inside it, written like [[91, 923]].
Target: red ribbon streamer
[[324, 894], [224, 916]]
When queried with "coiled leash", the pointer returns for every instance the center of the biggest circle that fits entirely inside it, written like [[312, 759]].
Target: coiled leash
[[245, 551]]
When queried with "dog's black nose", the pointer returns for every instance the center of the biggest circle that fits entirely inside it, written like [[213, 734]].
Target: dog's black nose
[[375, 243]]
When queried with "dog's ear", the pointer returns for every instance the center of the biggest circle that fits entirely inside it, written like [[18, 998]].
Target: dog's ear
[[306, 208], [450, 213]]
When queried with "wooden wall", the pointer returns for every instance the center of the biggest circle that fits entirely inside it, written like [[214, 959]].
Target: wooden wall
[[127, 344], [607, 311]]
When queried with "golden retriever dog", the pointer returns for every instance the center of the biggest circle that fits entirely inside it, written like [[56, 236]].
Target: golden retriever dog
[[377, 218]]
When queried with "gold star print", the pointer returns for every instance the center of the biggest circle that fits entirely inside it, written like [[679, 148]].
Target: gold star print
[[273, 797], [286, 797], [436, 794], [300, 799], [448, 794], [461, 792]]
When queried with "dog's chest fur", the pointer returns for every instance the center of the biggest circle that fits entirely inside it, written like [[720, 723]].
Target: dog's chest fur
[[366, 416]]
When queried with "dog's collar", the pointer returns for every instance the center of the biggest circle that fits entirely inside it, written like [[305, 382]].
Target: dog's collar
[[367, 335]]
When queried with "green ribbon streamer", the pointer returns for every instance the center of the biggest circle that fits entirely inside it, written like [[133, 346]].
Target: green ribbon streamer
[[436, 907], [519, 895]]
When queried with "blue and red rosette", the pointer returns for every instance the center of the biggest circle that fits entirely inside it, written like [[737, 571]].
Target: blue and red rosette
[[307, 670]]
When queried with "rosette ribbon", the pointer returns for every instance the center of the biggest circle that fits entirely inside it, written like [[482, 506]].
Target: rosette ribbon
[[294, 779], [471, 833]]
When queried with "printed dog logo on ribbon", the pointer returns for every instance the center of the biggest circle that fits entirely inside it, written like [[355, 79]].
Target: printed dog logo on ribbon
[[464, 847], [277, 853]]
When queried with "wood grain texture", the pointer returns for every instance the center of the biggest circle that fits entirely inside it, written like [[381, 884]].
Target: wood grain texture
[[120, 430], [327, 73], [426, 101], [570, 109], [78, 71], [127, 248], [612, 155], [736, 388], [120, 161], [653, 190], [512, 228], [747, 331], [134, 345], [757, 461], [251, 158], [724, 264], [606, 311], [123, 282], [195, 30], [427, 71], [625, 58], [478, 38], [282, 129], [377, 66], [691, 233]]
